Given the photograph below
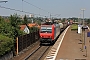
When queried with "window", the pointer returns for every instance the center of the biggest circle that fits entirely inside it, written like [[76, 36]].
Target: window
[[46, 30]]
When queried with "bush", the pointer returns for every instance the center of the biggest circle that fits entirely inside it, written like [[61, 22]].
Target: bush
[[6, 44], [33, 29]]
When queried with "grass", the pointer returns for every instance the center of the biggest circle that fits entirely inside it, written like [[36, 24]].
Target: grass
[[74, 27]]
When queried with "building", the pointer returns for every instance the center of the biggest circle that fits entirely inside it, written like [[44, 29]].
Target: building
[[25, 29], [34, 25]]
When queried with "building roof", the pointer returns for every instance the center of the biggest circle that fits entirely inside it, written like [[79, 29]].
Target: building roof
[[33, 25], [22, 27]]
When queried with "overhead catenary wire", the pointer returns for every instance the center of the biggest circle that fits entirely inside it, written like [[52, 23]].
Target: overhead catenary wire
[[51, 14], [36, 6], [39, 8], [26, 11], [14, 9], [19, 10]]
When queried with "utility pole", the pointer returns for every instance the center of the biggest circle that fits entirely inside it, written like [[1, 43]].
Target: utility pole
[[80, 18], [50, 16]]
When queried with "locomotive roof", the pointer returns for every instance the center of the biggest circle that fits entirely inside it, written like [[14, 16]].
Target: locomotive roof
[[49, 25]]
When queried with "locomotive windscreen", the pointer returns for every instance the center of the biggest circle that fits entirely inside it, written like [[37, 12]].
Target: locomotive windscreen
[[46, 29]]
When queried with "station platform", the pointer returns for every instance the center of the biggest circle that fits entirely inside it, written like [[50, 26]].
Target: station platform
[[69, 46]]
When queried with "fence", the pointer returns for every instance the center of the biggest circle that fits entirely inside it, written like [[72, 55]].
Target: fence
[[25, 41]]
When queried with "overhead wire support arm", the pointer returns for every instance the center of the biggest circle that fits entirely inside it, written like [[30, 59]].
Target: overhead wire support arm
[[3, 1], [15, 9]]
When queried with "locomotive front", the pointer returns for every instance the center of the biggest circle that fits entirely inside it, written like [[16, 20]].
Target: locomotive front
[[47, 34]]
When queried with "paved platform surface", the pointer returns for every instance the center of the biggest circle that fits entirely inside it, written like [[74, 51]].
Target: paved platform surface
[[71, 47]]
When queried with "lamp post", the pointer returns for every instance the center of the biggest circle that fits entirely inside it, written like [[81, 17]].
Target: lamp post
[[84, 28], [83, 38], [83, 16]]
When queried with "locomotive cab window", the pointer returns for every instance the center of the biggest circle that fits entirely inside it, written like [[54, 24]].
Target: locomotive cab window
[[46, 30]]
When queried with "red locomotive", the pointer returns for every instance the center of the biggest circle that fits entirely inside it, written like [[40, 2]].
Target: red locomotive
[[49, 33]]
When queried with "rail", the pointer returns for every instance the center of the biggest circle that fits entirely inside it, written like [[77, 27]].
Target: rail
[[37, 54]]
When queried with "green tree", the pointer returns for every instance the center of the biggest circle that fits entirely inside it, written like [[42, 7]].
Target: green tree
[[88, 21], [6, 44], [25, 20], [3, 26], [15, 29], [63, 20]]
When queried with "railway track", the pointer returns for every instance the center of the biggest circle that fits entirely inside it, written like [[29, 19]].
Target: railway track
[[38, 53]]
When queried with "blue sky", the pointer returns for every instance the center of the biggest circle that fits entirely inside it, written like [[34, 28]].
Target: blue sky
[[65, 8]]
